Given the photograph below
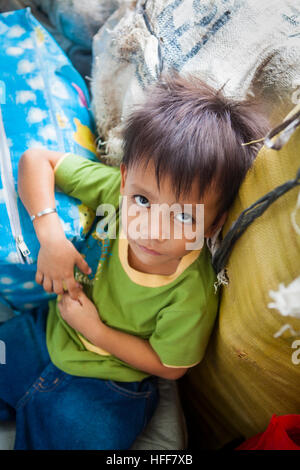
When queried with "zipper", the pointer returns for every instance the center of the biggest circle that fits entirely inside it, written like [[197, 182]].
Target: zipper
[[11, 197]]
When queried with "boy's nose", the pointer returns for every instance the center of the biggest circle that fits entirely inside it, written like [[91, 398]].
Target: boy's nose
[[155, 227]]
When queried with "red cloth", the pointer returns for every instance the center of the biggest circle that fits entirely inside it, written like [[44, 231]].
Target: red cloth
[[283, 433]]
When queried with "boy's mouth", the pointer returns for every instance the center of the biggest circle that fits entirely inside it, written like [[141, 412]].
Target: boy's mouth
[[147, 250]]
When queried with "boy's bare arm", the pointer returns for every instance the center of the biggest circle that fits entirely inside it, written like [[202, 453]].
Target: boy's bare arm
[[57, 255], [83, 316], [134, 351]]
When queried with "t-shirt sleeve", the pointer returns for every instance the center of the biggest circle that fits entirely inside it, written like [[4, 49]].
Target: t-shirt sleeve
[[180, 337], [92, 182]]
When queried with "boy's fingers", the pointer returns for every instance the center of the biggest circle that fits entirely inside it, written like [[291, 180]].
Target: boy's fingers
[[73, 289], [39, 277], [81, 297], [68, 300], [58, 287], [47, 284], [82, 265]]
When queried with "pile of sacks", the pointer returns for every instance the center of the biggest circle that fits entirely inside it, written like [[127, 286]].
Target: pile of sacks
[[249, 48]]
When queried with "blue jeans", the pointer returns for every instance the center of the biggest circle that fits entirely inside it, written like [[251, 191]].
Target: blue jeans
[[55, 410]]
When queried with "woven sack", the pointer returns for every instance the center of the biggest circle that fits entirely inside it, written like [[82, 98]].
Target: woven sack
[[248, 374]]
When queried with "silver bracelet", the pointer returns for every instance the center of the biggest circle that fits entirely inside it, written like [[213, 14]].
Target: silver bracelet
[[49, 210]]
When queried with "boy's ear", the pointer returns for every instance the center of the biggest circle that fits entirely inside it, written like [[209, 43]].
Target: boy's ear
[[216, 225], [123, 170]]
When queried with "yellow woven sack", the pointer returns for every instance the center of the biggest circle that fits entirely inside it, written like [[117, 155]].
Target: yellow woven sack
[[247, 374]]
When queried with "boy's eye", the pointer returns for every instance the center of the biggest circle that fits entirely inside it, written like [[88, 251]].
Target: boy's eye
[[185, 218], [141, 200]]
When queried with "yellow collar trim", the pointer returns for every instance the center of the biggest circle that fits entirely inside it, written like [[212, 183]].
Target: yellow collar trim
[[152, 280], [91, 347]]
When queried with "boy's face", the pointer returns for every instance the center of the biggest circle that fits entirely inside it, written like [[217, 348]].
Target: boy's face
[[154, 220]]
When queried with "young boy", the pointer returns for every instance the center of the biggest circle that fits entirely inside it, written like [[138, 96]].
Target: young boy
[[84, 376]]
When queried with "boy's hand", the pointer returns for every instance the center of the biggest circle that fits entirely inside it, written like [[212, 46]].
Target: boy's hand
[[55, 267], [80, 314]]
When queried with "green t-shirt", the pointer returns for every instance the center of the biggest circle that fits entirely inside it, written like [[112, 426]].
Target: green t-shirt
[[174, 312]]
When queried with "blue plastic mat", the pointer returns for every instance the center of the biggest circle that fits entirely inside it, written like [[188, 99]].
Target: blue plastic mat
[[44, 102]]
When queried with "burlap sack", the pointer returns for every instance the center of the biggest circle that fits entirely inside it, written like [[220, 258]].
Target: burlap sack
[[247, 47], [248, 374], [72, 23]]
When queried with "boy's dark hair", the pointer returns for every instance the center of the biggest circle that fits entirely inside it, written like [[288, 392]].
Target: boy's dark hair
[[190, 130]]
